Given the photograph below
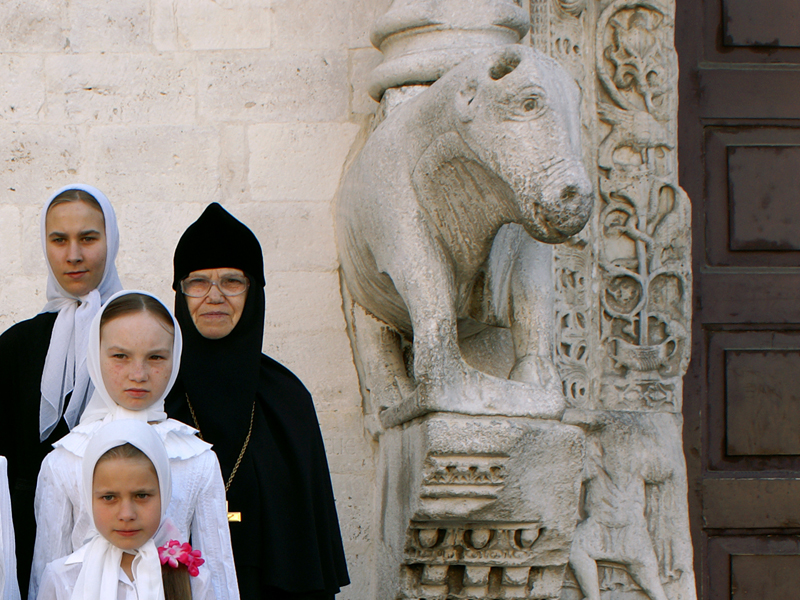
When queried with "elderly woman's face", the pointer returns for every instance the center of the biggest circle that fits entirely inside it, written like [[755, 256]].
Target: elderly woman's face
[[215, 314]]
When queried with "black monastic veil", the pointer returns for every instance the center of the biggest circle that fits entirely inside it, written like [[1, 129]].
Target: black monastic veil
[[289, 535]]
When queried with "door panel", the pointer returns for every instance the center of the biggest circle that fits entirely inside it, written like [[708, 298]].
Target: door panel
[[739, 150]]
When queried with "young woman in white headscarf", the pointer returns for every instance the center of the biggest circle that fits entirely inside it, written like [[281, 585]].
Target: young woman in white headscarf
[[43, 359], [134, 353], [125, 482]]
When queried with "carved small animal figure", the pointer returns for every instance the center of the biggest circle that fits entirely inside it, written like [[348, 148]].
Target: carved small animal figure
[[495, 141]]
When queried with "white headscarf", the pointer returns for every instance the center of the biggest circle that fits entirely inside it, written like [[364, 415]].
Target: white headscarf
[[99, 575], [180, 439], [65, 365], [102, 406]]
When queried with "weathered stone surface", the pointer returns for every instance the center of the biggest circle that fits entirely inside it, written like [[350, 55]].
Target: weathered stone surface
[[120, 88], [33, 25], [223, 25], [458, 493], [156, 163], [23, 94], [282, 154], [38, 157], [301, 301], [333, 388], [295, 236], [122, 25], [259, 86], [10, 237], [325, 24], [362, 62]]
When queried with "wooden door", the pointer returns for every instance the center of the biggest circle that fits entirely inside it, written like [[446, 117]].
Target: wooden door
[[739, 151]]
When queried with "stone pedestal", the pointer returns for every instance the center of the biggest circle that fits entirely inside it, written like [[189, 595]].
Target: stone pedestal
[[477, 507]]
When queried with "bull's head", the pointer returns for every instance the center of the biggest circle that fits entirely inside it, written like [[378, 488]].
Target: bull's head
[[519, 113]]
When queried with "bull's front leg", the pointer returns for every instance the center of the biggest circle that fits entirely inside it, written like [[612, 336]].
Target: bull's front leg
[[532, 316], [444, 381]]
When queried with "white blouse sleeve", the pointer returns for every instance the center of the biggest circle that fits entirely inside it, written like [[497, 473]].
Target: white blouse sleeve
[[201, 587], [10, 586], [53, 587], [210, 530], [54, 521]]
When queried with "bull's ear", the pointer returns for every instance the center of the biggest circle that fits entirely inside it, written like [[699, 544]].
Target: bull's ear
[[465, 106]]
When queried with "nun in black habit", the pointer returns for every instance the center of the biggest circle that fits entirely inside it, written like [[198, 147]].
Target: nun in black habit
[[260, 419]]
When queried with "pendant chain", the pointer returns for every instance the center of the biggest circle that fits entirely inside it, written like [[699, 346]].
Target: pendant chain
[[244, 447]]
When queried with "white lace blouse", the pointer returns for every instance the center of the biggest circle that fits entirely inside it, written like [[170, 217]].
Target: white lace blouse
[[197, 508], [60, 576]]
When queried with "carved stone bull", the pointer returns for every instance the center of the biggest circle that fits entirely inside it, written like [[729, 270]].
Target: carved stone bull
[[495, 141]]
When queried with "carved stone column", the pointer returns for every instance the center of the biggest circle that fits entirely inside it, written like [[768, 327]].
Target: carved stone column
[[422, 39]]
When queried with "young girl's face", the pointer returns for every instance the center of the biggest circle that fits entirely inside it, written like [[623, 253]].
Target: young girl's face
[[126, 502], [136, 359]]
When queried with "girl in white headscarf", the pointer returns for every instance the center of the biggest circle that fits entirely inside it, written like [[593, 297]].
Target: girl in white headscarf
[[43, 359], [125, 479], [133, 358]]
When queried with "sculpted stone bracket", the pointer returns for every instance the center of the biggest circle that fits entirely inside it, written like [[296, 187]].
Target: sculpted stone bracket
[[471, 337]]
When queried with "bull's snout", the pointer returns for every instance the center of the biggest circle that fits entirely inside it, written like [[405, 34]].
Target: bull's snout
[[566, 209]]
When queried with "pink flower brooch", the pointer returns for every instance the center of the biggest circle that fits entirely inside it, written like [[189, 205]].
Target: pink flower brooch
[[176, 553]]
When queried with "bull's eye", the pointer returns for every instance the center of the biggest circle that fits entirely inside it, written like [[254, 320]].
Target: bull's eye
[[531, 104]]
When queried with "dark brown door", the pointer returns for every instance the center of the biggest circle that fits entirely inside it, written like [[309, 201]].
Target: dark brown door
[[739, 136]]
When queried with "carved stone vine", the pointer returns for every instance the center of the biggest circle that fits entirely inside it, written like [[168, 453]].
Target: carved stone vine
[[623, 307]]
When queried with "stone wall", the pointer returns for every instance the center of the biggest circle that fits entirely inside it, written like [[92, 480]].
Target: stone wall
[[167, 105]]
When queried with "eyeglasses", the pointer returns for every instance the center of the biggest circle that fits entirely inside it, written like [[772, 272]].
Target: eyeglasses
[[198, 287]]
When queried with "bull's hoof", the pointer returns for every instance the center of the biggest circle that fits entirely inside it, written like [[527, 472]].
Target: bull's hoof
[[476, 393]]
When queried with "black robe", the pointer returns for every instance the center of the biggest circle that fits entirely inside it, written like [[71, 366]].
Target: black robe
[[289, 534], [23, 350], [288, 541]]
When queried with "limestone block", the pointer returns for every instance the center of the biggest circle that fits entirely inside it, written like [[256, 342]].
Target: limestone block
[[354, 501], [21, 297], [120, 88], [33, 25], [282, 154], [232, 164], [114, 26], [295, 236], [227, 24], [329, 376], [303, 301], [363, 15], [323, 24], [23, 93], [265, 86], [156, 163], [38, 158], [360, 566], [152, 229], [33, 262], [10, 237], [347, 449], [362, 61]]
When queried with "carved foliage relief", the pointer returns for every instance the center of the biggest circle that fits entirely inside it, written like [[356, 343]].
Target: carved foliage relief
[[623, 293], [635, 259]]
